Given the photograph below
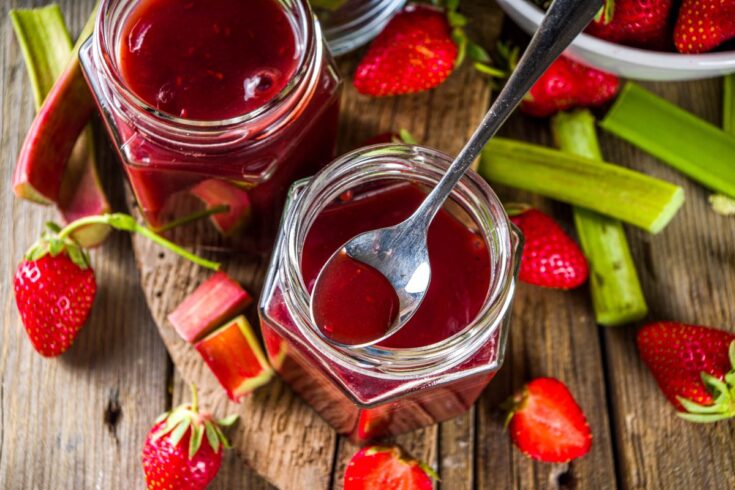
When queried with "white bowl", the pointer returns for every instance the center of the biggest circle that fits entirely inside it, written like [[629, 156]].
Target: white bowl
[[626, 61]]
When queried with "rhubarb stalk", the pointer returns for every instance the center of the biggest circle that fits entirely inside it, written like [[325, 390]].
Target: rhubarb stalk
[[720, 203], [47, 49], [698, 149], [608, 189], [617, 296]]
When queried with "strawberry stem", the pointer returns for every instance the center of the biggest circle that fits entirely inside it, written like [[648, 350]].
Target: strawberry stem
[[616, 291], [696, 148], [185, 220], [124, 222], [194, 399], [723, 393]]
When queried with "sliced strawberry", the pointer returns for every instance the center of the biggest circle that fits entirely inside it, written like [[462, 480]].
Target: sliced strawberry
[[694, 366], [385, 468], [546, 423]]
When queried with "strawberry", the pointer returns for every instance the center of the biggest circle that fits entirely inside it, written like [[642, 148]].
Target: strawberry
[[567, 84], [546, 423], [55, 285], [414, 52], [183, 449], [694, 366], [550, 258], [54, 291], [641, 23], [385, 468], [703, 25]]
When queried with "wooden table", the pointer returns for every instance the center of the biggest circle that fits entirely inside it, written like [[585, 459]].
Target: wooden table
[[79, 421]]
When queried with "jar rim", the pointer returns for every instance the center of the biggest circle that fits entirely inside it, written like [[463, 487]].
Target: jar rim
[[307, 33], [395, 161]]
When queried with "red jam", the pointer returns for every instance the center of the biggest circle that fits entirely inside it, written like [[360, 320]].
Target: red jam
[[460, 263], [353, 303], [207, 59]]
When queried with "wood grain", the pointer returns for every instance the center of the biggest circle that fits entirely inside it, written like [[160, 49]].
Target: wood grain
[[79, 421]]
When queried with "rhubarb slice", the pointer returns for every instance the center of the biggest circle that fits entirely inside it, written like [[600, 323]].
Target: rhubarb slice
[[217, 192], [696, 148], [236, 358], [617, 296], [608, 189], [215, 300], [47, 47]]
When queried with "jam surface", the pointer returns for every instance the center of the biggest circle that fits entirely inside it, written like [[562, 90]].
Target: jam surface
[[207, 59], [460, 262], [353, 303]]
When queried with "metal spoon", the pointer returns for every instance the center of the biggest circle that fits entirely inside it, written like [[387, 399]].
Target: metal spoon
[[400, 252]]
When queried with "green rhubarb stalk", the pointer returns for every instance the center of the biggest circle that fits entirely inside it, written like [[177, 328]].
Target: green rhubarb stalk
[[617, 296], [720, 203], [608, 189], [47, 49], [696, 148]]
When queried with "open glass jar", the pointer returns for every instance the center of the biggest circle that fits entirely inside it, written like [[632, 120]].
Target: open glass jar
[[241, 166], [425, 378]]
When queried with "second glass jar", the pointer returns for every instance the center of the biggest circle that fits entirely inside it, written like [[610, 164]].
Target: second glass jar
[[240, 167]]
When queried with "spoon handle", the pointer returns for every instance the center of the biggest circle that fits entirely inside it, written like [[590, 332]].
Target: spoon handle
[[564, 20]]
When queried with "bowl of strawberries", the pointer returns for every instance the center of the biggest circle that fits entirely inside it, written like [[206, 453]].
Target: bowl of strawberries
[[649, 39]]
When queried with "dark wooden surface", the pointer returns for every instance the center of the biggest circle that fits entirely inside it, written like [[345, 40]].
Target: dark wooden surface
[[79, 421]]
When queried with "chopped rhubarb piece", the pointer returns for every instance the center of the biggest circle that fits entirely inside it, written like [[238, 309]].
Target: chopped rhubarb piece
[[275, 347], [217, 192], [218, 298], [236, 358]]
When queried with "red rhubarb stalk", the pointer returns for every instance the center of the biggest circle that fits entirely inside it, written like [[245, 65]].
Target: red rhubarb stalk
[[215, 300], [217, 192], [236, 358]]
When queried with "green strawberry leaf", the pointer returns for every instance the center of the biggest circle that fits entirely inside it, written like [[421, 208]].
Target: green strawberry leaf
[[212, 436], [195, 440], [477, 53], [228, 421], [180, 430]]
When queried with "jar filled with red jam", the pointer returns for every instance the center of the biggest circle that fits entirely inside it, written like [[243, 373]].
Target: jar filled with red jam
[[437, 365], [215, 107]]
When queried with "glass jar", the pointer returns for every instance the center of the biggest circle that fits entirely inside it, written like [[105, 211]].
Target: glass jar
[[241, 166], [356, 22], [375, 391]]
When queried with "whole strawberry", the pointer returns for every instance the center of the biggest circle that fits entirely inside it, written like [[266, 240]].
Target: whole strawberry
[[55, 285], [694, 366], [546, 423], [550, 258], [641, 23], [183, 450], [54, 291], [414, 52], [385, 468], [703, 25], [567, 84]]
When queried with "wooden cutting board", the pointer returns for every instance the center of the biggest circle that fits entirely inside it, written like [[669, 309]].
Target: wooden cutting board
[[279, 436]]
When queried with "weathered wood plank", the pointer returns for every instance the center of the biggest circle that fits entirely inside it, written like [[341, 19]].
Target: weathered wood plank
[[688, 274], [553, 333], [77, 421]]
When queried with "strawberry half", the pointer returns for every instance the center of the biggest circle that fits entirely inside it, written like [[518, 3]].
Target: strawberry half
[[183, 450], [703, 25], [414, 52], [694, 366], [546, 423], [54, 291], [550, 257], [567, 84], [385, 468], [641, 23]]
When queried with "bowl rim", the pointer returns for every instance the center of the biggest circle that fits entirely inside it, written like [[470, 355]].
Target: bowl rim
[[657, 59]]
